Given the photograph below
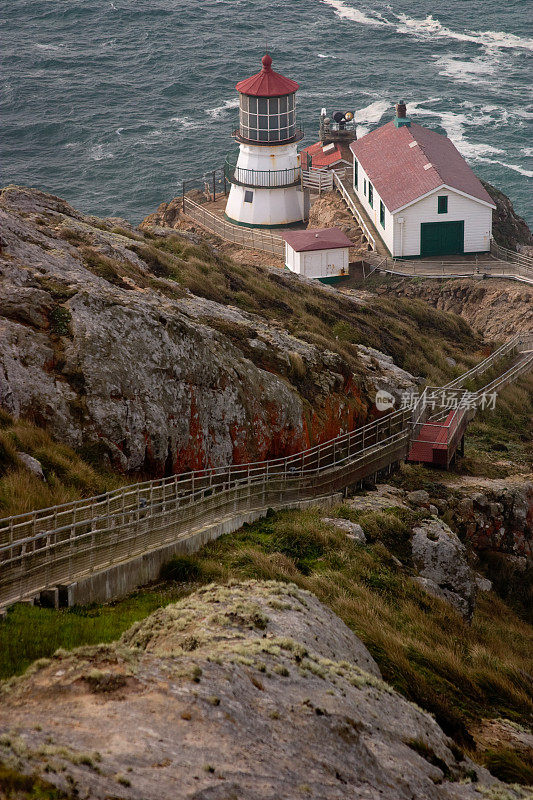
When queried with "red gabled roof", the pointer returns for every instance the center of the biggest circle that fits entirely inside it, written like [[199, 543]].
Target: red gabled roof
[[319, 159], [396, 169], [317, 239], [267, 83]]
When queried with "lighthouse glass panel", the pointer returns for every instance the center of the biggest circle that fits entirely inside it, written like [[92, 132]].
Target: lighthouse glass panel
[[267, 119]]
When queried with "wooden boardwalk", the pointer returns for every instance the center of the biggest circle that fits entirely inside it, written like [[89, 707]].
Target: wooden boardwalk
[[53, 548]]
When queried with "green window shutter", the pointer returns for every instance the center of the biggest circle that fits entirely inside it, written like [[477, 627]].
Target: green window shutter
[[355, 174], [371, 195], [364, 186], [382, 213], [442, 206]]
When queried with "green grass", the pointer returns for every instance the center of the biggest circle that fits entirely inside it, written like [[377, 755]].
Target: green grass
[[418, 336], [505, 434], [16, 786], [68, 475], [460, 673], [28, 633]]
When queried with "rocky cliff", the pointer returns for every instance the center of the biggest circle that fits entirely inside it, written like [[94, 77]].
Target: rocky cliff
[[509, 229], [155, 352], [495, 308], [252, 691]]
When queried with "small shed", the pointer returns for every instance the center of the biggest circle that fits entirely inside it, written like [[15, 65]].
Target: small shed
[[320, 253]]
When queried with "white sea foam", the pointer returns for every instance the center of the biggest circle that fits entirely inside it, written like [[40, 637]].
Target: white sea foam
[[361, 130], [99, 153], [220, 111], [327, 55], [475, 71], [119, 131], [373, 112], [454, 124], [527, 151], [428, 28], [515, 167], [186, 123], [40, 46], [344, 11]]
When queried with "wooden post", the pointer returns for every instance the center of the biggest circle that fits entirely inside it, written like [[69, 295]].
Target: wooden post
[[214, 186]]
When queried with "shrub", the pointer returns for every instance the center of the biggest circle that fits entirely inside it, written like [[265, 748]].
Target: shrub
[[510, 766]]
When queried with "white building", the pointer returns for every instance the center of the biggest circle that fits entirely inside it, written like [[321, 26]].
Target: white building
[[266, 189], [318, 253], [419, 192]]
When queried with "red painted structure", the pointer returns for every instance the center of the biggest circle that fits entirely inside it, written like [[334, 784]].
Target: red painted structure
[[437, 442], [267, 83]]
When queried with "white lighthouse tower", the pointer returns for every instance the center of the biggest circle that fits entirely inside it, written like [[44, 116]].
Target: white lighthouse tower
[[266, 189]]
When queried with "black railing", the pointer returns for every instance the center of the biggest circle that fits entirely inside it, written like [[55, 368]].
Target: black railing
[[296, 137], [262, 178]]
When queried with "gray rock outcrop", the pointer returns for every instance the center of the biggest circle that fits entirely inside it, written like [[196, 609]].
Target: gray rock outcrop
[[352, 529], [116, 357], [251, 691], [119, 359], [440, 558]]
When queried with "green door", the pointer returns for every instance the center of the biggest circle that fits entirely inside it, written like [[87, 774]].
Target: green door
[[442, 238]]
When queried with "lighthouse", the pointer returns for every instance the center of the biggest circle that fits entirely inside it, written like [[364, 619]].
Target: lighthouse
[[266, 189]]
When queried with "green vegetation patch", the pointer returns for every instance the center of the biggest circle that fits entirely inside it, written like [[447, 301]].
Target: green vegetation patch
[[460, 673], [68, 476], [14, 785]]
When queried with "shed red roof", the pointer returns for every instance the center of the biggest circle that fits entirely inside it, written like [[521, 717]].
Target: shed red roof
[[267, 83], [317, 239], [319, 159], [396, 161]]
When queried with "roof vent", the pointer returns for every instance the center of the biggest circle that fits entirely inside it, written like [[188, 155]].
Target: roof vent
[[428, 166], [413, 144], [329, 148], [401, 119]]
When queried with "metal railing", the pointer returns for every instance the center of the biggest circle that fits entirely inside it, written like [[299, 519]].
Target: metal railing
[[297, 136], [320, 180], [339, 184], [59, 545], [258, 178], [499, 263], [247, 237]]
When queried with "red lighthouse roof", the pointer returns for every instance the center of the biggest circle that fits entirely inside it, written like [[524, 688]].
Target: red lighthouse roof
[[267, 83]]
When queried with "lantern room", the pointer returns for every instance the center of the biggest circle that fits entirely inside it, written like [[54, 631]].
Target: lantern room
[[265, 174]]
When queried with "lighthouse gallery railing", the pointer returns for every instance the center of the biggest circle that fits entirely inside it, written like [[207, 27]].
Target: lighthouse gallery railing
[[262, 179]]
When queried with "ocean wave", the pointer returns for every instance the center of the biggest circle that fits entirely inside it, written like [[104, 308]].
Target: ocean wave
[[186, 123], [515, 167], [454, 124], [99, 153], [475, 71], [429, 27], [40, 46], [219, 111], [528, 152], [327, 55], [373, 112], [344, 11]]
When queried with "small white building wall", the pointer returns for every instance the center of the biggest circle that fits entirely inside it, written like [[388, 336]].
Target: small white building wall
[[318, 263], [386, 233], [477, 219], [476, 216]]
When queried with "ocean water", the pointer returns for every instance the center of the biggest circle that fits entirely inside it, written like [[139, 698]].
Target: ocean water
[[111, 103]]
